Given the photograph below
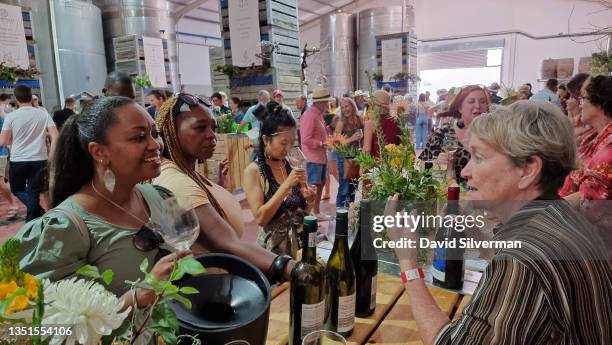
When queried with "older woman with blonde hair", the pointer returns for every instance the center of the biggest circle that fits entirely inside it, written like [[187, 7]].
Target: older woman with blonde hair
[[558, 277]]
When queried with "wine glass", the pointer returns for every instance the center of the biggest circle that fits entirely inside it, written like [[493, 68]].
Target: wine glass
[[323, 337], [180, 225], [296, 158]]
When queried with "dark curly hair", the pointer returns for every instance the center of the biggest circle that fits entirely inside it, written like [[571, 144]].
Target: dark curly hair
[[598, 90]]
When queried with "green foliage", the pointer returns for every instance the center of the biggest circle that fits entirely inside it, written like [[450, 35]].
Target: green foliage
[[228, 69], [143, 81], [93, 273], [601, 63], [9, 262], [13, 74], [224, 121]]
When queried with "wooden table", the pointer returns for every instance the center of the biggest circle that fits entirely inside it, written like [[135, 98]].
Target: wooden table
[[392, 322]]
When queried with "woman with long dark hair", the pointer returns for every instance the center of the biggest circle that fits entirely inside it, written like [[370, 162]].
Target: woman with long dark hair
[[103, 216], [272, 187]]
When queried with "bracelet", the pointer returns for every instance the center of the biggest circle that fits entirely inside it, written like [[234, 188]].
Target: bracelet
[[276, 270]]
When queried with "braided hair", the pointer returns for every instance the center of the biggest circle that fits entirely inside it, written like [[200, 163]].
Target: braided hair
[[172, 150], [277, 116]]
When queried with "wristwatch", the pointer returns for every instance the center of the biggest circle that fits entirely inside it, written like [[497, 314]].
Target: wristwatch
[[413, 274]]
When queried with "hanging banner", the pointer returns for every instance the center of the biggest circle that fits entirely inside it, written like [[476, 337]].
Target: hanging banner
[[154, 61], [244, 32], [13, 48], [391, 58]]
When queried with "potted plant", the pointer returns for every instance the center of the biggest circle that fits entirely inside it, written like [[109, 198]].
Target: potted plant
[[601, 63], [14, 73]]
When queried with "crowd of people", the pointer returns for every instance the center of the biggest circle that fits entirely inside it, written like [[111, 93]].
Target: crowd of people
[[112, 164]]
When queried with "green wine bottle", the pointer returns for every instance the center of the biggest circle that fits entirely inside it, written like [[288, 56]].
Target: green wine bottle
[[307, 302], [364, 259], [340, 281]]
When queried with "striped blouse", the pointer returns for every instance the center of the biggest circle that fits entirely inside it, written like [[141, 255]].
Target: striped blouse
[[556, 289]]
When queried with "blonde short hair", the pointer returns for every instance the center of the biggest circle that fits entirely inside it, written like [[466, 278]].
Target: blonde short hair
[[526, 129]]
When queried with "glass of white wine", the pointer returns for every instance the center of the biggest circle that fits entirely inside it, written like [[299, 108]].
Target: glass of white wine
[[180, 225], [323, 337]]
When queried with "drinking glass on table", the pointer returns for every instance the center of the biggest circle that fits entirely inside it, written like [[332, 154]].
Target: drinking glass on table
[[179, 226], [450, 144], [323, 337]]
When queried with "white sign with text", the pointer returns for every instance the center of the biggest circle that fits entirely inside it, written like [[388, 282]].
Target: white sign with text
[[391, 58], [154, 61], [13, 48], [244, 32]]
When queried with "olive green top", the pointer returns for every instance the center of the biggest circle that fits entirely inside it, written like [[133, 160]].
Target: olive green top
[[53, 247]]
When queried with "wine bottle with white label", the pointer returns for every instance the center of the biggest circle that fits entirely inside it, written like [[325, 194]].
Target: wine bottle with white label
[[364, 259], [340, 281], [307, 302], [448, 263]]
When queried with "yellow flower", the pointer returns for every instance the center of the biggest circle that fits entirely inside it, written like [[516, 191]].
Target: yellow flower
[[19, 303], [6, 289], [396, 162], [31, 284], [391, 148]]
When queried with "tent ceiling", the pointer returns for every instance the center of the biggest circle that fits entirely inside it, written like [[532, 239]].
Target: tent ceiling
[[309, 10]]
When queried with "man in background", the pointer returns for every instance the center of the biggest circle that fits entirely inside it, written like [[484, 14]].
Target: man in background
[[548, 93], [5, 106], [218, 108], [61, 116], [26, 130], [156, 98], [118, 84], [313, 135], [493, 90]]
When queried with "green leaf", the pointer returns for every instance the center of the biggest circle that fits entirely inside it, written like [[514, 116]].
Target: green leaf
[[188, 290], [164, 314], [89, 271], [107, 276], [187, 265], [144, 265], [181, 299], [4, 304]]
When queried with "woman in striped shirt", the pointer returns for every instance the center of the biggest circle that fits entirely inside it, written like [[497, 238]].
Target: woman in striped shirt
[[556, 288]]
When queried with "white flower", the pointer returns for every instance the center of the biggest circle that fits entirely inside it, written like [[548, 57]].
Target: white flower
[[91, 310]]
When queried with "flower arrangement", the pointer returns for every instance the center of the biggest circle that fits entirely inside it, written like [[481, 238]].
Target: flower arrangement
[[394, 171], [143, 81], [88, 312]]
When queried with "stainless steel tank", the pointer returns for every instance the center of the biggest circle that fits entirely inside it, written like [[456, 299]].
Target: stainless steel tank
[[153, 18], [337, 56], [374, 22], [80, 46]]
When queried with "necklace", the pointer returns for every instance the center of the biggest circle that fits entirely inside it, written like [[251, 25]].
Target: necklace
[[281, 169], [118, 206]]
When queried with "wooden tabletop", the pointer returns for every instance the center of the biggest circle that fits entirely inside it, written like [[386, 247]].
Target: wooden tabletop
[[391, 322]]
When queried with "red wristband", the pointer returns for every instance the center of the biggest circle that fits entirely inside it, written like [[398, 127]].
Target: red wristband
[[413, 274]]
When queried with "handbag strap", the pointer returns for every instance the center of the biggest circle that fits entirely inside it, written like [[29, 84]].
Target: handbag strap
[[75, 219]]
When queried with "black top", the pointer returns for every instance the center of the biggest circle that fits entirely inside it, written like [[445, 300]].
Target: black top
[[60, 117]]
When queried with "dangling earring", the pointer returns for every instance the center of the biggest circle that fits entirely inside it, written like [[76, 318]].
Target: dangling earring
[[109, 179]]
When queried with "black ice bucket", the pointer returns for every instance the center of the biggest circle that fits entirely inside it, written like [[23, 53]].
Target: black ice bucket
[[231, 309]]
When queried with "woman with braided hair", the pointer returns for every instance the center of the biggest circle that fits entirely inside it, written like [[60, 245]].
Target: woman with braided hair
[[272, 188], [188, 130]]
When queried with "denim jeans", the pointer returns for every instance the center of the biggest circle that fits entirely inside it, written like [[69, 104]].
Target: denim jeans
[[27, 181], [346, 188], [422, 130]]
